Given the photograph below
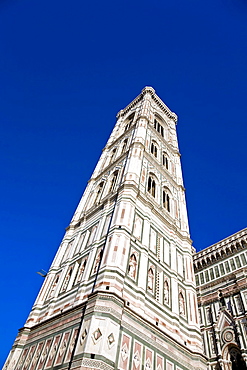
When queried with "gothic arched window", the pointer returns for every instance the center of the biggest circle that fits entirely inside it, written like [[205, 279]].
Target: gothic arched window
[[113, 155], [236, 359], [113, 181], [166, 200], [124, 146], [165, 162], [129, 122], [151, 186], [99, 192], [158, 127], [154, 149]]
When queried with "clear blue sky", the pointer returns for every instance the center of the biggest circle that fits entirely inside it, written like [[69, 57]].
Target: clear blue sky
[[66, 69]]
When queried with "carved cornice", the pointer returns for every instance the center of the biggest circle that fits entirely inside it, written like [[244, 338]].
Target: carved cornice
[[156, 99], [221, 250]]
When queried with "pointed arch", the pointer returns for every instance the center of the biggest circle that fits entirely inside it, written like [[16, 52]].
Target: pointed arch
[[232, 355], [154, 148], [124, 145], [113, 181], [158, 125], [165, 160], [151, 186], [128, 122], [113, 154], [166, 199], [99, 192]]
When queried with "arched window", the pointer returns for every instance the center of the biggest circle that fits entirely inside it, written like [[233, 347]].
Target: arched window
[[151, 186], [124, 146], [154, 149], [158, 127], [166, 200], [113, 181], [236, 359], [165, 162], [113, 155], [99, 192], [129, 122]]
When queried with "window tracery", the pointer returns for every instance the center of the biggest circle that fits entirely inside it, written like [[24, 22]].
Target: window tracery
[[158, 127], [151, 185], [124, 146], [129, 122], [113, 181], [166, 200], [113, 153], [165, 161], [154, 149], [99, 193]]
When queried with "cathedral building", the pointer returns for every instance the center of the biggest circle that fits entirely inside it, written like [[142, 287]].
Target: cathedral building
[[220, 272], [126, 289]]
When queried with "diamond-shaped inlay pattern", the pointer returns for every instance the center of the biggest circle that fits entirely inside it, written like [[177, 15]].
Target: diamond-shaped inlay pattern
[[136, 359], [110, 340], [96, 335], [148, 365], [124, 352], [83, 336]]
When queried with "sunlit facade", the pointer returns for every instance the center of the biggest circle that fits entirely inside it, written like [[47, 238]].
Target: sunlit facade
[[121, 291]]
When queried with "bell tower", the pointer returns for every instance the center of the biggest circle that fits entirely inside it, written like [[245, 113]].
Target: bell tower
[[120, 293]]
